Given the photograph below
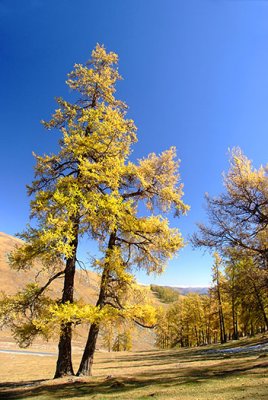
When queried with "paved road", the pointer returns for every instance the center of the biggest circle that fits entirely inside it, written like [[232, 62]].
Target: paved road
[[26, 352]]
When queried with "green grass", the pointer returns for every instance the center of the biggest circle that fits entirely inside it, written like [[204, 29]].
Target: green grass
[[174, 374]]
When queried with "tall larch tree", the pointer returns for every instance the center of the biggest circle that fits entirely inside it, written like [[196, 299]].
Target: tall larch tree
[[136, 240], [90, 188], [68, 186]]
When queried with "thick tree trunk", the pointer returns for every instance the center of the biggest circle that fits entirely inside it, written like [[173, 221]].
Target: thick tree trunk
[[85, 368], [64, 363]]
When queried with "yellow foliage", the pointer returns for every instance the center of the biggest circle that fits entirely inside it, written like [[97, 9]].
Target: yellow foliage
[[90, 187]]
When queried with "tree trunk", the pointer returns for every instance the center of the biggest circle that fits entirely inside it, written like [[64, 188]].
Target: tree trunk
[[64, 363], [221, 316], [222, 327], [234, 319], [260, 302], [235, 335], [85, 368]]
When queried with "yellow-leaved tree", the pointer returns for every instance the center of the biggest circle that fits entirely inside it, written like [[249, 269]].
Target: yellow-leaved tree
[[136, 240], [69, 186], [238, 217], [91, 188], [237, 229]]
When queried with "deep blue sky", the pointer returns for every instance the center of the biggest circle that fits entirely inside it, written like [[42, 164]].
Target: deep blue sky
[[195, 76]]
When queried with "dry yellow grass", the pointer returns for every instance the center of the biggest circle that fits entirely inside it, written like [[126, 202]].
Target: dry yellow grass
[[175, 374]]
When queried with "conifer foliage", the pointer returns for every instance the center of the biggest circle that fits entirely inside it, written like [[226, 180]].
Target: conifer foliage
[[237, 302], [91, 188]]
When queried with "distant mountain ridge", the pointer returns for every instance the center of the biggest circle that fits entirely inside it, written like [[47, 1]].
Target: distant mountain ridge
[[183, 290], [170, 294], [190, 289]]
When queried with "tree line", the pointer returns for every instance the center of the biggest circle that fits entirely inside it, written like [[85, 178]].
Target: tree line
[[235, 307], [237, 303]]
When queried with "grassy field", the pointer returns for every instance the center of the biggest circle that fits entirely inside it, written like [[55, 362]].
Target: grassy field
[[205, 373]]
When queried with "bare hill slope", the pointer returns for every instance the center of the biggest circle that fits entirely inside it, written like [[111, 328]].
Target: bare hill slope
[[87, 282], [86, 288]]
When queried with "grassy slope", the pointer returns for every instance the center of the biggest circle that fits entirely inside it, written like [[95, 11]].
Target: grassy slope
[[175, 374], [87, 286]]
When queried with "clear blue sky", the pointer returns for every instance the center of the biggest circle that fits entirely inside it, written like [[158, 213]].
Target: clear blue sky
[[195, 76]]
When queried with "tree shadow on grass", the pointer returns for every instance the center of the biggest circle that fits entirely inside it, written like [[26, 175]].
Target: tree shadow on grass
[[181, 357], [120, 385]]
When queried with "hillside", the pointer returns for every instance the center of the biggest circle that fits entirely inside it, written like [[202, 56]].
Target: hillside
[[86, 288], [87, 282]]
